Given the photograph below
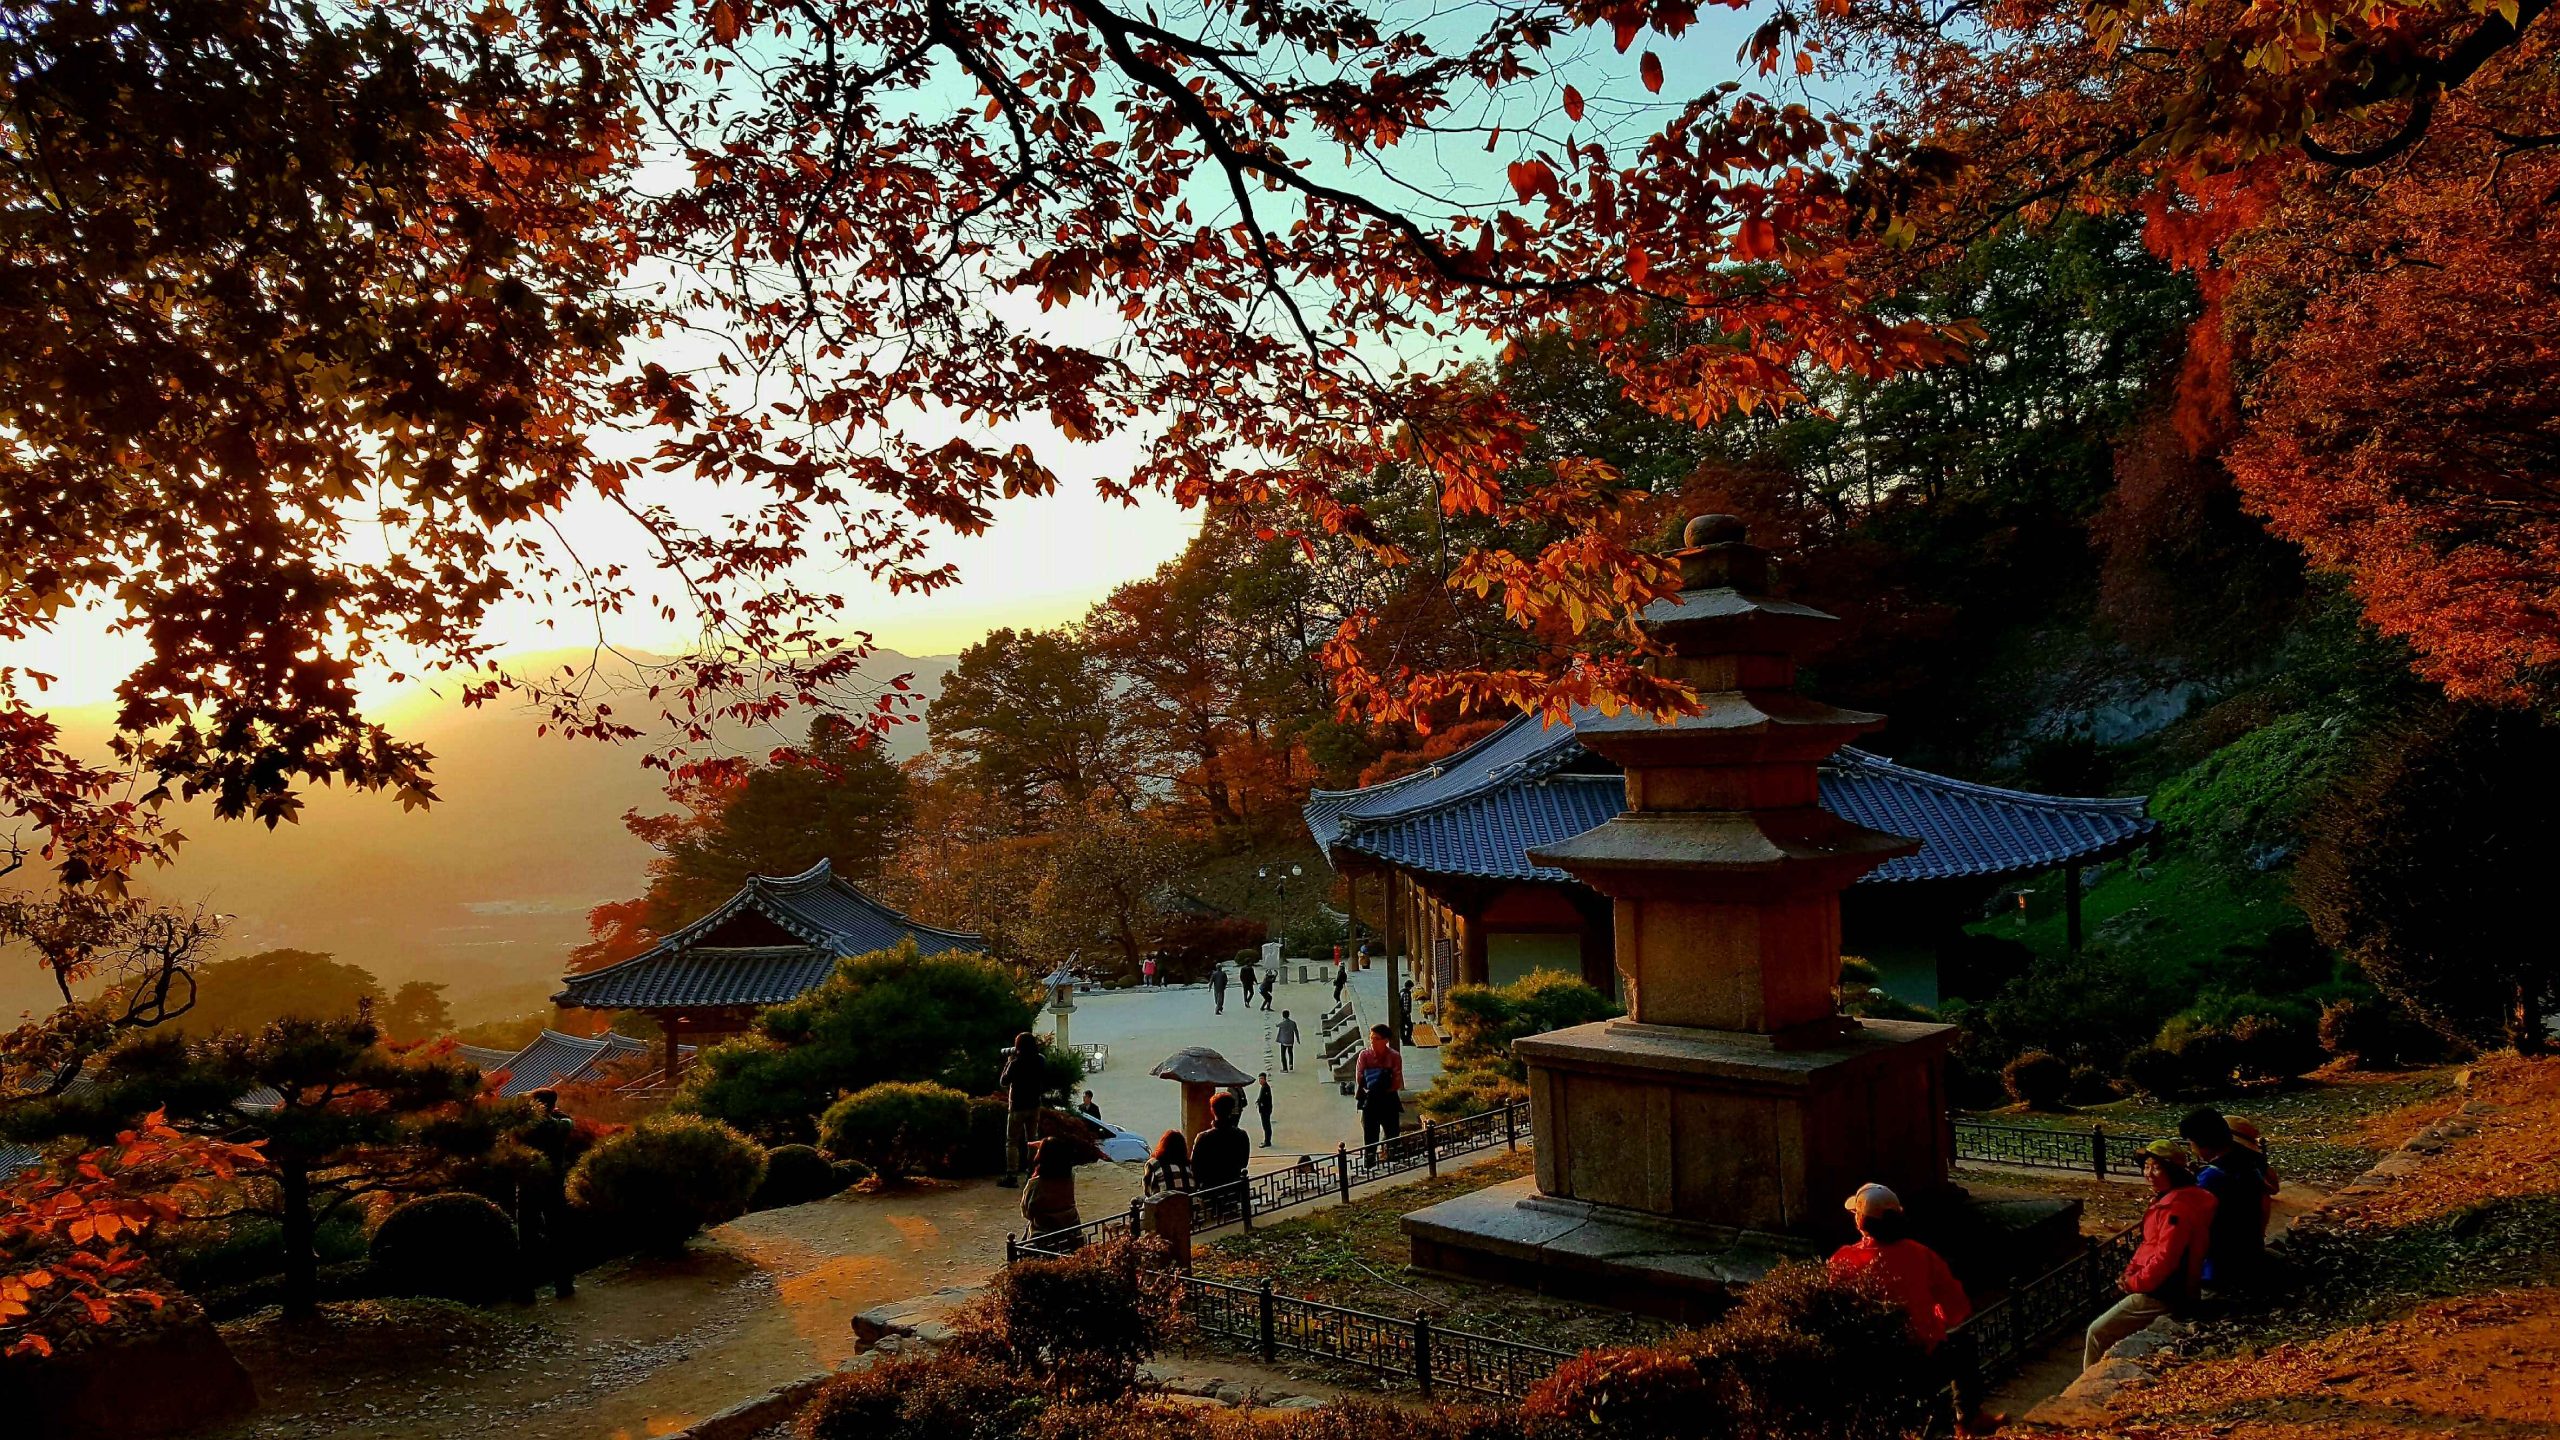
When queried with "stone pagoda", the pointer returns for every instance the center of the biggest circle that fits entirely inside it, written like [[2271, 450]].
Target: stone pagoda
[[1719, 1124]]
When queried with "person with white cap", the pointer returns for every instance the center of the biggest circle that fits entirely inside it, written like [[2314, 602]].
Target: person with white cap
[[1908, 1271]]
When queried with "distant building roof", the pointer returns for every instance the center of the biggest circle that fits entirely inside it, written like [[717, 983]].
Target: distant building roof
[[1479, 812], [554, 1059], [827, 916]]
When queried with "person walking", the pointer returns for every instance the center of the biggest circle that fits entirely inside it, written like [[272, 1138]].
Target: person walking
[[1341, 977], [542, 1205], [1220, 1153], [1147, 968], [1910, 1272], [2167, 1268], [1218, 986], [1262, 1103], [1089, 1107], [1248, 978], [1269, 977], [1404, 1014], [2235, 1175], [1049, 1198], [1286, 1034], [1025, 1078], [1378, 1087]]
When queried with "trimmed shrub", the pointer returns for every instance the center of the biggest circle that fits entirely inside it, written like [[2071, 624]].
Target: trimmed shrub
[[2156, 1072], [2275, 1047], [981, 1150], [2375, 1034], [796, 1175], [1632, 1394], [454, 1246], [2037, 1080], [933, 1396], [1081, 1324], [896, 1129], [2206, 1055], [2092, 1086], [664, 1180]]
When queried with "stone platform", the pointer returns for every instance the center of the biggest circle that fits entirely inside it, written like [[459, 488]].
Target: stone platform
[[1513, 1234]]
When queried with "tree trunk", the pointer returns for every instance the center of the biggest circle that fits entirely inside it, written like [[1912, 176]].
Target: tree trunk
[[2527, 1026], [301, 1256]]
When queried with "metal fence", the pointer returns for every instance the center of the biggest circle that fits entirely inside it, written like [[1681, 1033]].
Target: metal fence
[[1245, 1201], [2096, 1151], [1433, 1358]]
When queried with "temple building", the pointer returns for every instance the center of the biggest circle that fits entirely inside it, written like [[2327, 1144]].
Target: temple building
[[1439, 860], [775, 940]]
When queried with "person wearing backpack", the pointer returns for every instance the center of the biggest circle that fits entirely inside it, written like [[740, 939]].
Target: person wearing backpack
[[1379, 1091]]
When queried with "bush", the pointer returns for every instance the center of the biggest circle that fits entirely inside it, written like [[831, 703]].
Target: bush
[[1800, 1356], [455, 1246], [662, 1181], [2206, 1054], [2275, 1047], [2037, 1080], [896, 1129], [1457, 1094], [1081, 1324], [889, 1015], [1477, 1069], [1638, 1393], [796, 1175], [2092, 1086], [2156, 1072], [921, 1397]]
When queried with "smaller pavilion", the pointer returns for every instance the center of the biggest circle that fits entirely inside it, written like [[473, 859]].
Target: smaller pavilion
[[774, 941]]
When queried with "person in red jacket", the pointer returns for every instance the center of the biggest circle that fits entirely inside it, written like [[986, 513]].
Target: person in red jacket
[[2168, 1266], [1908, 1271]]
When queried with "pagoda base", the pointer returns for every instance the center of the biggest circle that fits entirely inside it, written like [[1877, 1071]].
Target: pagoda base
[[1512, 1234], [1736, 1130]]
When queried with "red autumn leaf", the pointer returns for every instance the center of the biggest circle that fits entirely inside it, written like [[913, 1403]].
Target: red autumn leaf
[[1572, 103], [1756, 239], [1653, 72]]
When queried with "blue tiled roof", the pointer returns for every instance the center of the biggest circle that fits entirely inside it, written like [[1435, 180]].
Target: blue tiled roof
[[553, 1058], [830, 917], [1481, 811]]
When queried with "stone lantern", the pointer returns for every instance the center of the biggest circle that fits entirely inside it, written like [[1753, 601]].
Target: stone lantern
[[1061, 986]]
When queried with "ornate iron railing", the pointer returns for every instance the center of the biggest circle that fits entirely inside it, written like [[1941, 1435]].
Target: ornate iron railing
[[1433, 1358], [2097, 1150]]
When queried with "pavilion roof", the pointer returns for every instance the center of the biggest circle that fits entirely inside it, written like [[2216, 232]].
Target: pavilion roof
[[1479, 812], [828, 915], [553, 1058]]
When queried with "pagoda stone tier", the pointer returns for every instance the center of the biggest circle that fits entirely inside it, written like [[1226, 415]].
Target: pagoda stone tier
[[1722, 1121]]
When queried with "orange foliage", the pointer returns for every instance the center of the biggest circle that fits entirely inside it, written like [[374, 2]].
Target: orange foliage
[[69, 1242]]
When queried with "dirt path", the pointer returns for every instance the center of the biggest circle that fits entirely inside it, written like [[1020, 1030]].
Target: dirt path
[[646, 1347]]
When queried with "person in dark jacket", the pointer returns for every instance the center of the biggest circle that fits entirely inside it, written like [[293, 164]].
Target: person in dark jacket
[[1218, 986], [542, 1206], [2235, 1175], [1025, 1079], [1090, 1106], [1269, 977], [1262, 1103], [1341, 977], [1219, 1154], [1286, 1035]]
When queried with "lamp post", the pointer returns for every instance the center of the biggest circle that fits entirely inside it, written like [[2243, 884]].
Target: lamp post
[[1062, 997]]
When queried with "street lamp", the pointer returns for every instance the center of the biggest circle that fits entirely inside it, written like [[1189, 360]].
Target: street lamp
[[1062, 996]]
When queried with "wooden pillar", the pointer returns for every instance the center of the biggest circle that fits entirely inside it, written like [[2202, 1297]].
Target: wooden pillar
[[2071, 909]]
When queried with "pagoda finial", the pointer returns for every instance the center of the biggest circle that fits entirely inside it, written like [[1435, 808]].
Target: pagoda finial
[[1716, 553]]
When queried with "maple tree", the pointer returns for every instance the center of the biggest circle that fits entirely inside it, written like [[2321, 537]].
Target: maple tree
[[2365, 194], [69, 1234], [420, 295]]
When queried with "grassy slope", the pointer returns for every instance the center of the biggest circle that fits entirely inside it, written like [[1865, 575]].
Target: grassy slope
[[2176, 911]]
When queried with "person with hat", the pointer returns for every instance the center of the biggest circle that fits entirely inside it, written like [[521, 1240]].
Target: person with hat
[[1910, 1272], [2167, 1268], [2235, 1175]]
